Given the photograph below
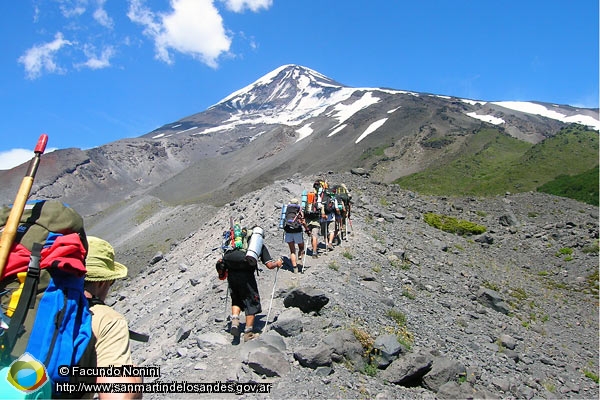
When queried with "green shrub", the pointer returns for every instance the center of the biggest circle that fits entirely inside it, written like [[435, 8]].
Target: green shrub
[[591, 249], [565, 251], [591, 375], [453, 225], [397, 316]]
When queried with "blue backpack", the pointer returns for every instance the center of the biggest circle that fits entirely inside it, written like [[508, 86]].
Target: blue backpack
[[45, 319]]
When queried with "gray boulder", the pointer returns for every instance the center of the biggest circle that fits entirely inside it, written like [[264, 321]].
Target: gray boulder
[[491, 298], [288, 323], [409, 370], [386, 349], [268, 361], [314, 357], [444, 370]]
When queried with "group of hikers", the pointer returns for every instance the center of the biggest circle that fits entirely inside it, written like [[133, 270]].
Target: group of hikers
[[90, 261], [323, 210]]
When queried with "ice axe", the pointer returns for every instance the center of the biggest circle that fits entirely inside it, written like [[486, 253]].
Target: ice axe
[[12, 223]]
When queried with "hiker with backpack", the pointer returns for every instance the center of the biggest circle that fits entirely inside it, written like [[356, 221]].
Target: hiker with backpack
[[110, 328], [344, 200], [312, 215], [293, 227], [238, 265], [327, 205]]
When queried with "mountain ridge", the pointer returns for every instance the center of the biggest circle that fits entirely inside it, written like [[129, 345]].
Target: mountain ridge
[[217, 155]]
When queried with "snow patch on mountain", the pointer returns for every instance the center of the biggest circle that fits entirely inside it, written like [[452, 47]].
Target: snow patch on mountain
[[303, 132], [487, 118], [538, 109], [372, 128], [532, 108]]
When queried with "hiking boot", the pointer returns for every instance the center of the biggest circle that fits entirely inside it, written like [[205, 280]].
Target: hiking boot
[[315, 256], [249, 336], [329, 247], [295, 270], [235, 327]]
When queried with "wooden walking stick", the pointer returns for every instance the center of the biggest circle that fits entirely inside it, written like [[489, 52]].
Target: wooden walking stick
[[12, 223]]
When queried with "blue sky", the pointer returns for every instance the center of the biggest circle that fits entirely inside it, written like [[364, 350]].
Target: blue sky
[[88, 72]]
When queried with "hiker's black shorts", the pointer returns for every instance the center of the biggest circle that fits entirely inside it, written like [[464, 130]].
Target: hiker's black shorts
[[244, 291]]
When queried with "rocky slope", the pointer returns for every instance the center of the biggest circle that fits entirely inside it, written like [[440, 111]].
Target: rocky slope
[[399, 310]]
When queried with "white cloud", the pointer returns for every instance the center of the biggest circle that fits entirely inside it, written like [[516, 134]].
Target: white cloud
[[41, 58], [101, 16], [193, 27], [72, 8], [12, 158], [253, 5], [95, 61]]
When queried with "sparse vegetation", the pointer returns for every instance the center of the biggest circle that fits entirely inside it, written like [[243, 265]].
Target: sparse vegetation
[[591, 249], [589, 374], [400, 263], [347, 255], [397, 316], [367, 342], [373, 152], [408, 294], [518, 293], [453, 225], [491, 286], [593, 283], [403, 335], [333, 265], [564, 251], [145, 212]]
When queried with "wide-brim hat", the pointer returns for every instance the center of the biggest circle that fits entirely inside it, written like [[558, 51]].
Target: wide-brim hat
[[100, 262], [294, 201]]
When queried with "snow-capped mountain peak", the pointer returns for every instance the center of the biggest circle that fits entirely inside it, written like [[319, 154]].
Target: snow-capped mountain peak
[[281, 85], [308, 101]]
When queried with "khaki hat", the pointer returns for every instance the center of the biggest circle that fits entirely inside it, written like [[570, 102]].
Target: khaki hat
[[294, 201], [100, 262]]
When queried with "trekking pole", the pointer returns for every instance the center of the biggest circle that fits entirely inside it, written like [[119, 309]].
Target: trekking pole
[[12, 223], [271, 303], [346, 228], [226, 301], [304, 257]]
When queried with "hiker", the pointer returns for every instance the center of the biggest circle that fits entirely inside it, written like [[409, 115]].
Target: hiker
[[328, 218], [109, 327], [311, 216], [343, 200], [293, 228], [238, 268]]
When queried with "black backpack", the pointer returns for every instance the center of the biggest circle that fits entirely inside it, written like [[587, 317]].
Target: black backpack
[[292, 219]]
